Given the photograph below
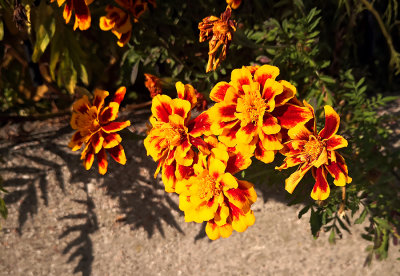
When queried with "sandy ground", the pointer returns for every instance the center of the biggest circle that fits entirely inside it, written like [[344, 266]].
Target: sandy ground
[[65, 220]]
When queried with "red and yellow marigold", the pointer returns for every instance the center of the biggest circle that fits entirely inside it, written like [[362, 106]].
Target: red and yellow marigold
[[253, 108], [82, 12], [96, 128], [316, 151], [118, 20], [174, 139], [214, 195]]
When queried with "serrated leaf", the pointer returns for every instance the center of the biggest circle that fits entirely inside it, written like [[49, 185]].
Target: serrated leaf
[[303, 211]]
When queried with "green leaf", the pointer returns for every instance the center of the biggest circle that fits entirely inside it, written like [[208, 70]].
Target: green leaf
[[3, 209], [45, 26], [303, 211], [315, 222], [1, 30], [332, 236], [362, 217]]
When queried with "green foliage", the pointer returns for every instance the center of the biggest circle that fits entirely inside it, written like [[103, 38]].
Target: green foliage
[[334, 52]]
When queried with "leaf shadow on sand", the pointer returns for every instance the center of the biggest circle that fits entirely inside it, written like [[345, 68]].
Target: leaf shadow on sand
[[141, 198]]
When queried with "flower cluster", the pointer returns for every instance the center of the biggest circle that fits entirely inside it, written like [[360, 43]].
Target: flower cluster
[[95, 127], [220, 32], [254, 115], [198, 167]]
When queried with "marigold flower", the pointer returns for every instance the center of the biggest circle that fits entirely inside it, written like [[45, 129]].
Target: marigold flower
[[173, 136], [119, 20], [234, 4], [96, 128], [246, 110], [82, 12], [213, 194], [316, 151], [153, 84], [220, 32]]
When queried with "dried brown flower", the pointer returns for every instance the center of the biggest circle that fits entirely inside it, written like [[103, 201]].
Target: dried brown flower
[[19, 16], [220, 32], [153, 84]]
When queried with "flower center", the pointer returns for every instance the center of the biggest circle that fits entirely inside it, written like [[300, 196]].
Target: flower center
[[313, 148], [208, 188], [172, 135], [88, 122], [255, 107]]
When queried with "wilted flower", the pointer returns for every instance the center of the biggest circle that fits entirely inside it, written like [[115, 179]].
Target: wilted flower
[[153, 84], [316, 151], [82, 12], [96, 129], [220, 32]]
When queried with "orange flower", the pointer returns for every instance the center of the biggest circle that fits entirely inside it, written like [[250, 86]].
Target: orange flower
[[220, 32], [96, 128], [316, 151], [119, 20], [173, 136], [213, 194], [82, 12], [153, 84], [234, 4], [246, 106]]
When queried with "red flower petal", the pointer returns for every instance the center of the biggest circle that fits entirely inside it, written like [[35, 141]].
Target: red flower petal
[[111, 140], [82, 15], [290, 115], [161, 107], [332, 121], [200, 125], [115, 126], [336, 142], [118, 154], [119, 95], [217, 94], [102, 160], [321, 188], [99, 96]]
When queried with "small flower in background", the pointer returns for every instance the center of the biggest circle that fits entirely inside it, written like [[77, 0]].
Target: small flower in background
[[316, 151], [153, 84], [220, 32], [96, 129], [234, 4], [119, 20], [82, 12], [245, 112]]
